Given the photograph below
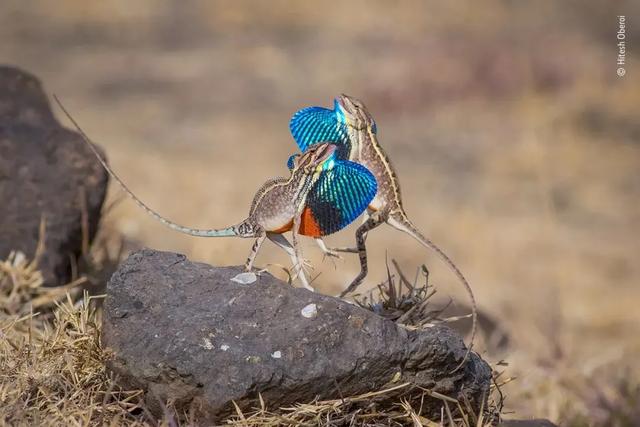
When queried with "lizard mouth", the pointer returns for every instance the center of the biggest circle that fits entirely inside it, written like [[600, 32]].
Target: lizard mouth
[[346, 103], [353, 111]]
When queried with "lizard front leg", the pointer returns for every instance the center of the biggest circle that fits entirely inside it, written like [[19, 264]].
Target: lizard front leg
[[325, 250], [282, 242], [299, 265], [254, 250]]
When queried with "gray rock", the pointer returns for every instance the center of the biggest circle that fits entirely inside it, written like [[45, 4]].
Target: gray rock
[[45, 170], [186, 332]]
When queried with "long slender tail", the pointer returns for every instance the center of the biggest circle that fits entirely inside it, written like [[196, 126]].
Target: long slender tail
[[402, 223], [230, 231]]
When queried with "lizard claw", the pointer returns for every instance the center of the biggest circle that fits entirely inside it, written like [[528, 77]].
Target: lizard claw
[[330, 253], [306, 265]]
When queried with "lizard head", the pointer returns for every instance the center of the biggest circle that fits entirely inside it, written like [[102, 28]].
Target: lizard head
[[314, 159], [354, 113]]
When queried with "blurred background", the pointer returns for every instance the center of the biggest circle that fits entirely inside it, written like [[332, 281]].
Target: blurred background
[[517, 146]]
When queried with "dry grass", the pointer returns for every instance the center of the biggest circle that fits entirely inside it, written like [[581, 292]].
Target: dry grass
[[53, 372], [52, 368], [21, 282], [399, 405]]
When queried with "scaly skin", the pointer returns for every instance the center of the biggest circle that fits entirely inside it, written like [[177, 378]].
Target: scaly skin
[[277, 206]]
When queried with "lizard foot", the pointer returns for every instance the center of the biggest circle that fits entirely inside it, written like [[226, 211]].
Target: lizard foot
[[332, 253]]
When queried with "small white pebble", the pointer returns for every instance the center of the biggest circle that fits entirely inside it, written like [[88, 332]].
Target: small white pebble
[[276, 354], [224, 347], [207, 343], [309, 311], [245, 278]]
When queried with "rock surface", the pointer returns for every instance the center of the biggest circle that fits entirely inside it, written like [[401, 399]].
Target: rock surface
[[186, 332], [45, 171]]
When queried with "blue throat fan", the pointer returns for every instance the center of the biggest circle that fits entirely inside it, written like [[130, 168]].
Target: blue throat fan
[[317, 124], [339, 197], [342, 192]]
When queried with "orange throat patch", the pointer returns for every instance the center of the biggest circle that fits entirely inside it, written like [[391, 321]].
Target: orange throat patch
[[308, 224]]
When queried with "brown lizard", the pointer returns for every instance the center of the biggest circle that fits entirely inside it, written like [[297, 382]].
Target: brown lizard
[[351, 126], [277, 207]]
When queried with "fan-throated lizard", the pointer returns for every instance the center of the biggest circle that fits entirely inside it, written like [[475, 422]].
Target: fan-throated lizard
[[353, 129], [307, 202]]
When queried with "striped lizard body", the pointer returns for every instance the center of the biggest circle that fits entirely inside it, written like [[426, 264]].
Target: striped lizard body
[[351, 126]]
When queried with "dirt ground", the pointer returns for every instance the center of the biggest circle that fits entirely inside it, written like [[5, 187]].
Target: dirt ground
[[517, 145]]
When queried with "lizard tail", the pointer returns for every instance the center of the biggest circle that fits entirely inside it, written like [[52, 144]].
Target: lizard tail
[[402, 223], [223, 232]]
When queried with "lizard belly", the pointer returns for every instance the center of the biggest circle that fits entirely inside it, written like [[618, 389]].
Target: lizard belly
[[388, 191], [278, 223], [376, 204], [309, 226]]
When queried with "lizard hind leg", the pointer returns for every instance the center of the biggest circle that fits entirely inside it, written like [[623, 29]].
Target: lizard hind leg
[[374, 221]]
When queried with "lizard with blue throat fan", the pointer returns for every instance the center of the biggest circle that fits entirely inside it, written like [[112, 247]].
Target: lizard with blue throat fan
[[351, 126], [322, 195]]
